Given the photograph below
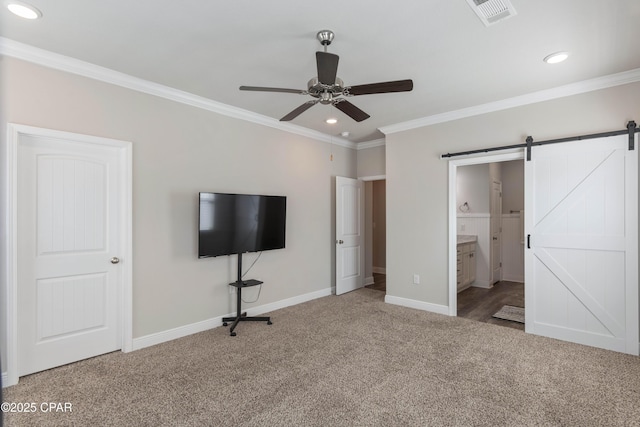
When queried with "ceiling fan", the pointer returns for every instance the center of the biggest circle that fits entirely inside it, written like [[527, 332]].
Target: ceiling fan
[[327, 88]]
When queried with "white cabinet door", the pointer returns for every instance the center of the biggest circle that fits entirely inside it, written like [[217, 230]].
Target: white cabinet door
[[581, 200]]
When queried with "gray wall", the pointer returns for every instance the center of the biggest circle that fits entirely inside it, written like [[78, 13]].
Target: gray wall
[[474, 186], [473, 189], [512, 186], [178, 151], [417, 189], [371, 162]]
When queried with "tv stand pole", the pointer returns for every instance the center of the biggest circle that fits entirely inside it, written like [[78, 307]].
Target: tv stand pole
[[242, 317]]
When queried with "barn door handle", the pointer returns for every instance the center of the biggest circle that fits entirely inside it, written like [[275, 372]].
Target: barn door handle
[[528, 241]]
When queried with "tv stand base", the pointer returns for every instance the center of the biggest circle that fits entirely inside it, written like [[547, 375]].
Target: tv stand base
[[242, 317]]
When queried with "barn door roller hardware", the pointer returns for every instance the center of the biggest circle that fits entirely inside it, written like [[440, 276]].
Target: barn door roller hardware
[[630, 130]]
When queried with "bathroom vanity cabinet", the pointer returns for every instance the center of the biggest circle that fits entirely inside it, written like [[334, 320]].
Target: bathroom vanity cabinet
[[466, 265]]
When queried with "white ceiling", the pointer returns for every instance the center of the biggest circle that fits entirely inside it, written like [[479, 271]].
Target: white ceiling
[[210, 48]]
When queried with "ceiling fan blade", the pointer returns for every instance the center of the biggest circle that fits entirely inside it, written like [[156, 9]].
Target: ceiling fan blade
[[327, 67], [351, 110], [301, 109], [273, 89], [384, 87]]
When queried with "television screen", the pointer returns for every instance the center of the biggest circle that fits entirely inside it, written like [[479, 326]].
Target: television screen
[[237, 223]]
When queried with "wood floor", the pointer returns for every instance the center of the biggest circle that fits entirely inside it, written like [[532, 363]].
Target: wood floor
[[478, 303], [379, 282]]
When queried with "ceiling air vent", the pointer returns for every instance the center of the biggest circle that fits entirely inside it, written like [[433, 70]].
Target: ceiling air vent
[[492, 11]]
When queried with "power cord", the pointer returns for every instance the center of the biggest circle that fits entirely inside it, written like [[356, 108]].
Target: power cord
[[259, 286], [252, 264]]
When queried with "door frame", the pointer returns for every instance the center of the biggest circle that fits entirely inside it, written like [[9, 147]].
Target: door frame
[[505, 156], [493, 253], [15, 132]]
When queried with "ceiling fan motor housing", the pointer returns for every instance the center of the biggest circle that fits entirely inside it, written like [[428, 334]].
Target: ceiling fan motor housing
[[324, 92]]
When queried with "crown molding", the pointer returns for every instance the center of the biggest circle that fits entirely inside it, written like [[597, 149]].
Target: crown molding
[[370, 144], [631, 76], [56, 61]]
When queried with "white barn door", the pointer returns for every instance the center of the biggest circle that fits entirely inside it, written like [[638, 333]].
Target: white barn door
[[581, 231], [349, 235], [70, 248]]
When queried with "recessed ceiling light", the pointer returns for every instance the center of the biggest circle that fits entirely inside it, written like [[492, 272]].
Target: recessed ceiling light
[[24, 10], [332, 121], [554, 58]]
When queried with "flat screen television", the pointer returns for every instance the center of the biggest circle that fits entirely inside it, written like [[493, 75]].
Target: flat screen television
[[238, 223]]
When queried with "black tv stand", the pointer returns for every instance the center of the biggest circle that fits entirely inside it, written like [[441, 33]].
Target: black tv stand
[[242, 317]]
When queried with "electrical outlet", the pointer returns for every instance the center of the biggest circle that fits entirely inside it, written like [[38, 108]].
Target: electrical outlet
[[416, 279], [462, 227], [232, 290]]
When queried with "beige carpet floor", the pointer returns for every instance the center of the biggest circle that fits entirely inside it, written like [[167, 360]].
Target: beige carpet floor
[[348, 360]]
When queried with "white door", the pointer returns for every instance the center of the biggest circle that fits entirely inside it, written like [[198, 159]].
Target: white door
[[349, 234], [581, 262], [69, 230], [496, 231]]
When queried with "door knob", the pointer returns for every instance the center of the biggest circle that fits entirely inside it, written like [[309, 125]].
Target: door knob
[[115, 260], [340, 242]]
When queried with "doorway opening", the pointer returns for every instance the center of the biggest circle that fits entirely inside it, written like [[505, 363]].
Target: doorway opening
[[486, 252], [490, 243], [375, 234]]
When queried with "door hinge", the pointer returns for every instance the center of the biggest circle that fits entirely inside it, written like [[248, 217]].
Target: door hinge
[[501, 264]]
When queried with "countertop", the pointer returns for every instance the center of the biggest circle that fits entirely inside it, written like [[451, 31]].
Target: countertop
[[466, 238]]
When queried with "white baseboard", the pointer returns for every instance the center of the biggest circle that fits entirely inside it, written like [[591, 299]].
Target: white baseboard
[[380, 270], [482, 284], [519, 279], [183, 331], [368, 281], [419, 305]]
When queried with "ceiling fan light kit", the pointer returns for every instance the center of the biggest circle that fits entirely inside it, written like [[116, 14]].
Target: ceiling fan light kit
[[328, 89]]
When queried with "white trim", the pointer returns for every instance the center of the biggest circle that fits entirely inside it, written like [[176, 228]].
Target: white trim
[[571, 89], [56, 61], [418, 305], [484, 284], [183, 331], [14, 131], [380, 270], [10, 249], [454, 163], [25, 52], [373, 178], [370, 144], [631, 217], [473, 215], [517, 279]]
